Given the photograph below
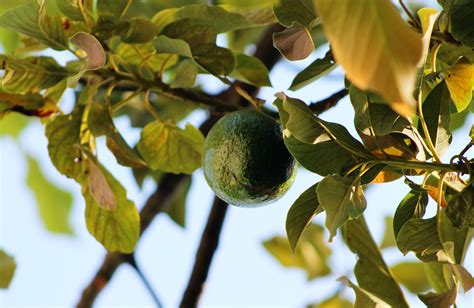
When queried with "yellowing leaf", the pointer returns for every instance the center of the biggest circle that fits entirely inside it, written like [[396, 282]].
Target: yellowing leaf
[[7, 269], [92, 47], [294, 43], [375, 47], [428, 18], [460, 81], [168, 148], [99, 188]]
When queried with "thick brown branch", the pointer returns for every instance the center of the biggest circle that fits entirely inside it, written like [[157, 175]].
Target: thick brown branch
[[205, 253], [329, 102]]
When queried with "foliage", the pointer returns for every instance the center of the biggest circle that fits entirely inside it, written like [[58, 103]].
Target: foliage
[[410, 84]]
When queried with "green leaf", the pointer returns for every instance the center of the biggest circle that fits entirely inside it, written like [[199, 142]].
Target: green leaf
[[437, 117], [31, 20], [460, 209], [342, 199], [434, 272], [311, 255], [28, 104], [388, 239], [460, 82], [335, 301], [364, 299], [168, 148], [289, 11], [308, 128], [164, 44], [64, 143], [411, 275], [462, 14], [413, 205], [117, 229], [13, 125], [300, 215], [7, 269], [294, 43], [386, 55], [371, 271], [115, 7], [441, 300], [318, 68], [454, 241], [421, 237], [70, 8], [92, 47], [100, 123], [54, 203], [141, 30], [99, 188], [186, 73], [177, 210], [251, 70], [32, 74]]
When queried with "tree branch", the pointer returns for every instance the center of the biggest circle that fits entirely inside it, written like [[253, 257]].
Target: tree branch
[[328, 102], [205, 253]]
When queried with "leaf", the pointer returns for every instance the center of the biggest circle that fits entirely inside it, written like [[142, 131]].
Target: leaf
[[92, 47], [251, 70], [460, 81], [462, 14], [437, 117], [177, 210], [300, 215], [168, 148], [23, 76], [54, 203], [364, 299], [289, 11], [31, 20], [7, 269], [186, 73], [100, 123], [64, 143], [118, 229], [317, 69], [70, 8], [99, 188], [334, 301], [29, 104], [13, 125], [421, 237], [311, 255], [383, 131], [308, 128], [460, 209], [115, 7], [164, 44], [388, 239], [413, 205], [384, 58], [342, 199], [442, 300], [324, 158], [434, 272], [411, 275], [371, 271], [141, 30], [454, 241], [294, 43]]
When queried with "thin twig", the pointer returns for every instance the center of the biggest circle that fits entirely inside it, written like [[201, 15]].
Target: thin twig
[[205, 253], [133, 263]]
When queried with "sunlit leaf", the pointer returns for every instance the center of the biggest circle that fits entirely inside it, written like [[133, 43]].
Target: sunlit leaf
[[54, 203], [311, 255], [294, 43], [118, 229], [411, 275], [384, 58], [435, 274], [251, 70], [31, 20], [335, 301], [168, 148], [413, 205], [7, 269], [185, 76], [92, 47], [13, 125], [99, 188], [460, 81], [300, 215], [342, 199]]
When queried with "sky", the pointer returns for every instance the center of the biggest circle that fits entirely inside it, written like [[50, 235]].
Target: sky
[[52, 270]]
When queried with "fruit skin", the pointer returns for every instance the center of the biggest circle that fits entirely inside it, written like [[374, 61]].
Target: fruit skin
[[245, 160]]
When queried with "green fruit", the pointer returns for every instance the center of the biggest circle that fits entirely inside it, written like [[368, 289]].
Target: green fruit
[[245, 161]]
